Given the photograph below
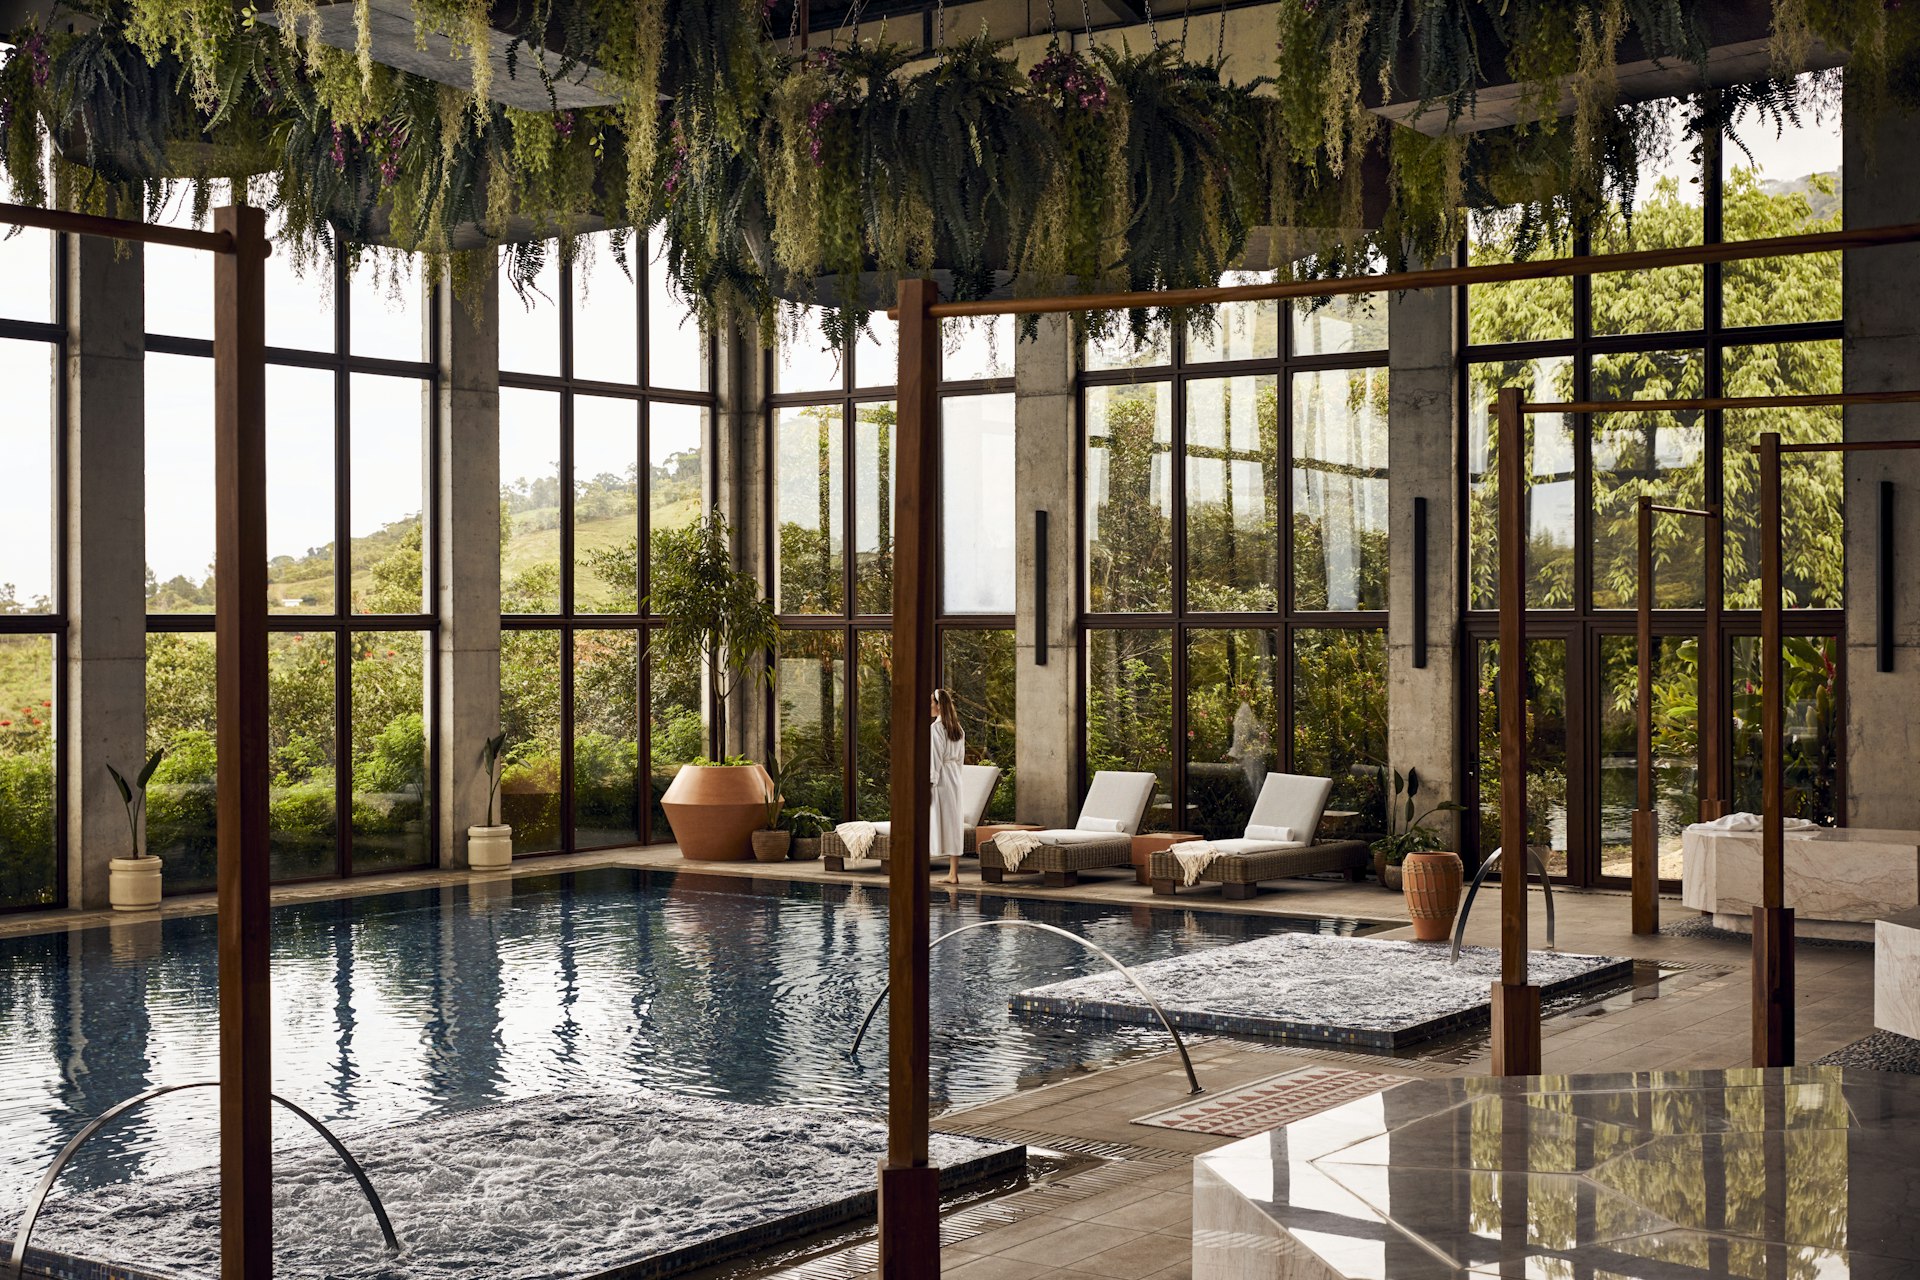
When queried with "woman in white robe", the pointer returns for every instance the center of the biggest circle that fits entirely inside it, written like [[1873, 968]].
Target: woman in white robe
[[949, 752]]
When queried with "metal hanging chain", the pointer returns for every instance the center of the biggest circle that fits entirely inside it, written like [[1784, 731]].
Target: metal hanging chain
[[1053, 21], [1186, 16], [793, 29], [1086, 16], [1153, 28], [1220, 45]]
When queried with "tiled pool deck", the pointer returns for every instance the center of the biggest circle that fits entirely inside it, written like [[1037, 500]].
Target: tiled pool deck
[[1130, 1217]]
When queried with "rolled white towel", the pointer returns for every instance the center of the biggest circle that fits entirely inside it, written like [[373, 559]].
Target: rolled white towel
[[858, 837], [1014, 846], [1194, 857], [1750, 822], [1279, 835]]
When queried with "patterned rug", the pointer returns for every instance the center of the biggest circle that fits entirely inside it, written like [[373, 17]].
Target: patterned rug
[[1270, 1102]]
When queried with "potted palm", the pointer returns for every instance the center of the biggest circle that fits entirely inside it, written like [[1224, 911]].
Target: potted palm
[[133, 883], [491, 847], [716, 618], [1413, 859]]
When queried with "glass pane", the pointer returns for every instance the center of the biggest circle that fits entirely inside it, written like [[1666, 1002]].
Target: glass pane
[[530, 495], [606, 505], [29, 863], [391, 802], [1812, 485], [677, 465], [530, 718], [1550, 487], [1546, 749], [301, 810], [179, 515], [389, 488], [299, 306], [678, 731], [1233, 727], [606, 314], [1129, 498], [1812, 749], [389, 316], [530, 321], [179, 282], [808, 695], [977, 508], [1340, 717], [1238, 330], [1340, 489], [876, 353], [1130, 710], [808, 509], [27, 443], [1521, 310], [1350, 323], [976, 348], [300, 490], [606, 738], [1121, 349], [803, 358], [977, 668], [1667, 214], [26, 267], [182, 815], [1676, 748], [873, 507], [676, 346], [1233, 494], [873, 687], [1659, 455], [1782, 179]]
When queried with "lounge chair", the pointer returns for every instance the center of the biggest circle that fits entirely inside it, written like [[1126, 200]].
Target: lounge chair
[[1288, 801], [1115, 807], [977, 782]]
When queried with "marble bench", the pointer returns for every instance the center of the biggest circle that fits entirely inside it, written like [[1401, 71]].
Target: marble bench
[[1839, 880], [1896, 973]]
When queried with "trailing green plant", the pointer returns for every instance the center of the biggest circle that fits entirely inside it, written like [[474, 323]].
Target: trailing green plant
[[134, 796], [1407, 829]]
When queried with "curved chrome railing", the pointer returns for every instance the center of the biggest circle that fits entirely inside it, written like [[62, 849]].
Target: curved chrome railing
[[17, 1263], [1493, 860], [1124, 972]]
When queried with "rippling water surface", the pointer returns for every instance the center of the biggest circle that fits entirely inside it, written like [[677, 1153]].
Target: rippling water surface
[[427, 1002]]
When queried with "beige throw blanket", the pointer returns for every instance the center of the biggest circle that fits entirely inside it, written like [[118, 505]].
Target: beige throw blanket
[[1194, 857], [858, 837], [1014, 846]]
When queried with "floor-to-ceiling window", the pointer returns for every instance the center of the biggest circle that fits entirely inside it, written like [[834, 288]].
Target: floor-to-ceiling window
[[1234, 563], [606, 405], [350, 426], [32, 601], [1739, 329]]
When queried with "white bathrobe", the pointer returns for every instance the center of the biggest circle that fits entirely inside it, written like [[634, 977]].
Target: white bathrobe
[[948, 836]]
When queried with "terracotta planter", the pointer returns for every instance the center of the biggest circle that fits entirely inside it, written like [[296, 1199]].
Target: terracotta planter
[[1432, 886], [714, 809], [771, 846]]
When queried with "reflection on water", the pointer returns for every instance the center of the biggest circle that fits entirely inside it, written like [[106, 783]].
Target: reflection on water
[[429, 1001]]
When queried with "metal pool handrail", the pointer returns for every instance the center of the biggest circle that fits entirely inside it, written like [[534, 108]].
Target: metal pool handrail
[[1466, 908], [1125, 972], [17, 1263]]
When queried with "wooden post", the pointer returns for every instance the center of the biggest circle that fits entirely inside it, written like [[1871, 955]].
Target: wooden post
[[1712, 719], [909, 1183], [240, 647], [1772, 920], [1516, 1004], [1646, 853]]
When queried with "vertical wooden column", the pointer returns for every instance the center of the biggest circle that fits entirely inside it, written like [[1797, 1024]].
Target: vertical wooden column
[[1516, 1004], [1646, 853], [1772, 920], [240, 646], [1712, 719], [909, 1184]]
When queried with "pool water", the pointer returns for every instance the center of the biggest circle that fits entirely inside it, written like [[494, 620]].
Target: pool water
[[427, 1002]]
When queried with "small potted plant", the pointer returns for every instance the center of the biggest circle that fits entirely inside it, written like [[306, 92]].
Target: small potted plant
[[491, 847], [133, 883], [771, 841], [807, 826], [1414, 860]]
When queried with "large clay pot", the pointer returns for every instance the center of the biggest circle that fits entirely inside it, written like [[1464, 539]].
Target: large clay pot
[[1431, 882], [714, 809]]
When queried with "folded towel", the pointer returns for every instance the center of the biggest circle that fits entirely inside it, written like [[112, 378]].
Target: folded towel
[[858, 837], [1014, 846], [1097, 824], [1750, 822], [1194, 856], [1282, 835]]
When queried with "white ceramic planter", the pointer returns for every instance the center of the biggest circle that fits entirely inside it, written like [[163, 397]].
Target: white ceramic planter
[[133, 884], [489, 848]]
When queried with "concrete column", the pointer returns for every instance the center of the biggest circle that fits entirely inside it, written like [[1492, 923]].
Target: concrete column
[[739, 445], [1881, 353], [1424, 460], [1047, 447], [105, 673], [466, 516]]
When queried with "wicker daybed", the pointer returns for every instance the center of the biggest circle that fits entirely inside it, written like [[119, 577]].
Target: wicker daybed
[[1279, 843], [977, 782], [1116, 805]]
